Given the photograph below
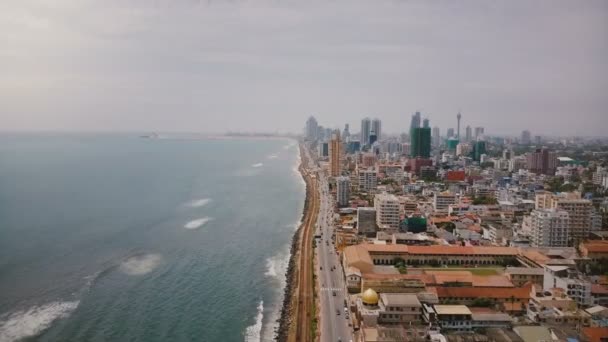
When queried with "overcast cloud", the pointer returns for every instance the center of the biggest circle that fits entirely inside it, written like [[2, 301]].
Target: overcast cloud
[[212, 66]]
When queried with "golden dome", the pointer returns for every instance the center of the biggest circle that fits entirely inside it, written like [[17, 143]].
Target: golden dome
[[369, 297]]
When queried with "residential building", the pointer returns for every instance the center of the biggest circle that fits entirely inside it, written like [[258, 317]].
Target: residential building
[[550, 228], [449, 317], [368, 180], [335, 155], [566, 278], [542, 161], [387, 212], [343, 191], [442, 201]]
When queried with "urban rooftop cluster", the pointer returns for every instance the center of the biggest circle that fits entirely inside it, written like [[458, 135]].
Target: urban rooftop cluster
[[468, 236]]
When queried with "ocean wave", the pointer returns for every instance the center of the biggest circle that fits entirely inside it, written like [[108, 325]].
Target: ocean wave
[[276, 266], [199, 203], [140, 264], [257, 165], [196, 224], [273, 156], [253, 333], [290, 145], [34, 320]]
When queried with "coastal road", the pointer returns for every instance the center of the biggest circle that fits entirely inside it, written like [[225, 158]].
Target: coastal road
[[334, 326]]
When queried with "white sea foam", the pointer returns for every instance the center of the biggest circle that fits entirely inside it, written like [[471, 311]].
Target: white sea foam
[[199, 203], [257, 165], [253, 333], [196, 224], [141, 264], [34, 320], [276, 266], [273, 156]]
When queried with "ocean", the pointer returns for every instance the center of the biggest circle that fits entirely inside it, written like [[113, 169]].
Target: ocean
[[116, 237]]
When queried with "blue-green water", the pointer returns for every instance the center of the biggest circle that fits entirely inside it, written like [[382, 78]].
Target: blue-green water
[[121, 238]]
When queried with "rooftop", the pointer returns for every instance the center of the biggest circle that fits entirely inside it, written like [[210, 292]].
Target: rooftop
[[400, 299], [525, 270], [452, 310]]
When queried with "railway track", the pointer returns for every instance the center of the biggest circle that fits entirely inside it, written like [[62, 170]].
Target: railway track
[[305, 297]]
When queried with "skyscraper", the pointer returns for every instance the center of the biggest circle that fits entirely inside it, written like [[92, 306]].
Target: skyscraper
[[366, 127], [468, 136], [415, 121], [526, 137], [450, 132], [311, 128], [542, 161], [420, 142], [335, 151], [377, 128], [425, 123], [436, 136], [343, 190], [387, 212], [458, 126], [479, 148], [346, 133], [479, 131]]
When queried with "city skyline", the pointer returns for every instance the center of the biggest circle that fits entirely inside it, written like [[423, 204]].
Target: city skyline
[[167, 66]]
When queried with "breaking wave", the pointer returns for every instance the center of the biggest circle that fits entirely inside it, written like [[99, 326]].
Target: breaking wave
[[196, 224], [33, 321], [273, 156], [199, 203], [140, 264], [253, 333], [257, 165]]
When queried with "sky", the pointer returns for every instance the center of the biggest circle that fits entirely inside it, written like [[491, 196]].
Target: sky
[[212, 66]]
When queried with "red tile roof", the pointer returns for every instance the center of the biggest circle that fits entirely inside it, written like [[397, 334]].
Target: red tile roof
[[595, 334], [599, 289], [481, 292]]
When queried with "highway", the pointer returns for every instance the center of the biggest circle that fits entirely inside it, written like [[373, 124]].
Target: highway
[[333, 327]]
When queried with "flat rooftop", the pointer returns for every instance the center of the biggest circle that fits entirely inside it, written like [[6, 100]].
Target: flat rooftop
[[452, 310]]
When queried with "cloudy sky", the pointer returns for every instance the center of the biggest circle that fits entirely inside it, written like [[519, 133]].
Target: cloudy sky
[[210, 66]]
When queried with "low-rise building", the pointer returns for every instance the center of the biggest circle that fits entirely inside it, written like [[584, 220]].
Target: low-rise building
[[522, 275], [449, 317]]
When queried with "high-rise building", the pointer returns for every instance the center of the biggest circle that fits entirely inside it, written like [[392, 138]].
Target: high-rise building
[[537, 140], [425, 123], [373, 137], [366, 127], [343, 190], [366, 221], [450, 133], [436, 137], [421, 142], [507, 154], [525, 137], [580, 212], [479, 132], [368, 180], [335, 154], [387, 212], [458, 117], [542, 161], [479, 148], [550, 228], [311, 129], [415, 123], [377, 128], [468, 135], [346, 133]]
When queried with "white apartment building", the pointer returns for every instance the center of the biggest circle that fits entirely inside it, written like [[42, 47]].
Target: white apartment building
[[343, 191], [387, 212], [565, 278], [442, 201], [368, 180], [579, 210], [549, 228]]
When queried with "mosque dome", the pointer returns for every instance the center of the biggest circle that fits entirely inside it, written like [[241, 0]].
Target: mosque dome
[[369, 297]]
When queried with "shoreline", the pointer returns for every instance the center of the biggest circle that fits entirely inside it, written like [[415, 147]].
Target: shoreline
[[286, 314]]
